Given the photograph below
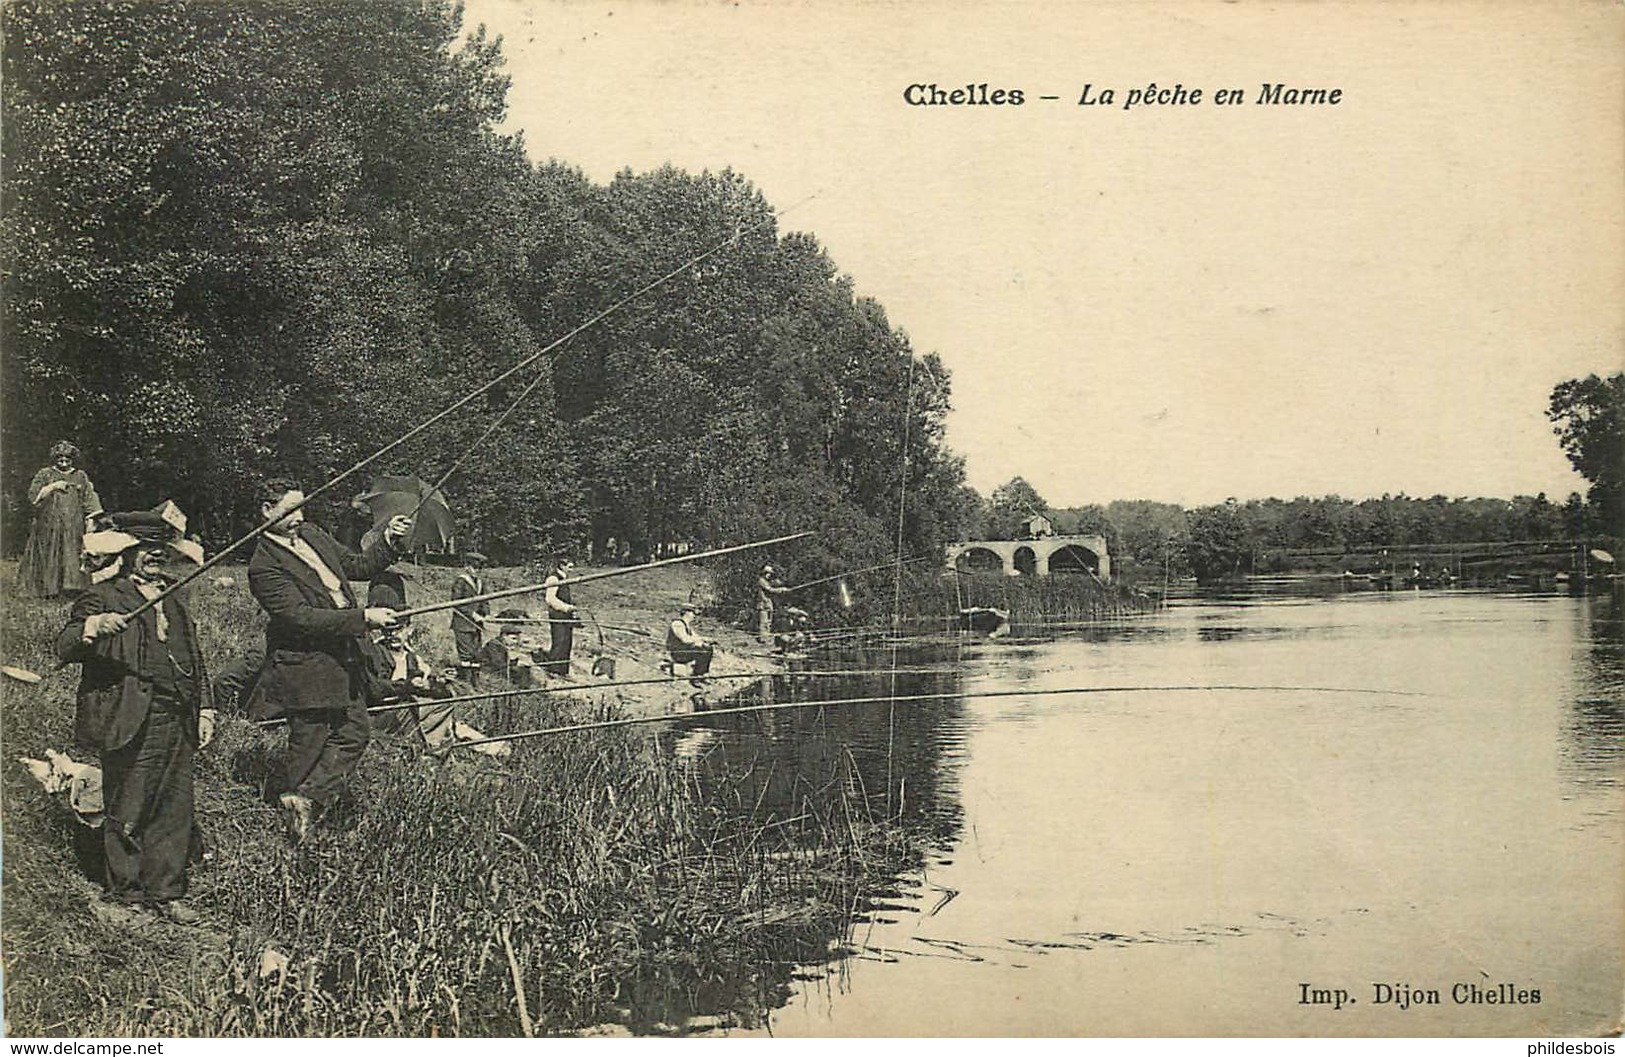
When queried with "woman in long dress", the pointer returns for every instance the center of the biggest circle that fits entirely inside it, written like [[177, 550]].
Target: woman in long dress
[[64, 502]]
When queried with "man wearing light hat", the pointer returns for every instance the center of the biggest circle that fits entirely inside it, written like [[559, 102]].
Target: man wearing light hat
[[140, 694], [687, 646]]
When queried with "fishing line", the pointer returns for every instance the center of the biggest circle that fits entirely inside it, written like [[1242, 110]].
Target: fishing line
[[481, 439], [605, 724], [526, 589], [538, 621], [897, 573], [854, 572], [458, 405]]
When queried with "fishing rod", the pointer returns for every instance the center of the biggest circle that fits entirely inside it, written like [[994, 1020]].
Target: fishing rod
[[435, 607], [524, 393], [495, 425], [455, 406], [854, 572], [492, 695], [605, 724], [537, 621]]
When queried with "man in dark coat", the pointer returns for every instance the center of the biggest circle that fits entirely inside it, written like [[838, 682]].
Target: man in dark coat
[[140, 694], [316, 668], [466, 624]]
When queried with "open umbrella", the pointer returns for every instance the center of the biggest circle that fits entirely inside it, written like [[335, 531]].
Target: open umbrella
[[392, 496]]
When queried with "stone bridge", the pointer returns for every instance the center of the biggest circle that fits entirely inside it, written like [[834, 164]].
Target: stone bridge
[[1033, 557]]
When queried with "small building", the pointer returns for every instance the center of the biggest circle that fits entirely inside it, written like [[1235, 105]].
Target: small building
[[1037, 527]]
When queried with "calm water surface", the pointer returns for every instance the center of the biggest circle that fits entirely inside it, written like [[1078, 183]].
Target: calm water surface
[[1175, 862]]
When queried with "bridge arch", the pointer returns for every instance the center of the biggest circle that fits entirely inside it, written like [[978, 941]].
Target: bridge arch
[[975, 558], [1078, 555], [1074, 558]]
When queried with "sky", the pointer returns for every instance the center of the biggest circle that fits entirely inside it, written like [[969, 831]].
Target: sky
[[1178, 302]]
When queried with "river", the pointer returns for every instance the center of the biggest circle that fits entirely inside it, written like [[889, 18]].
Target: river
[[1429, 796]]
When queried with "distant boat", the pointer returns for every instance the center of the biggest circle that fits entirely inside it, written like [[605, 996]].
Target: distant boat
[[984, 620]]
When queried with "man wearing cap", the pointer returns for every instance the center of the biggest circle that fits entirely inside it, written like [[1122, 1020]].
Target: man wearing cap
[[316, 666], [141, 691], [765, 590], [688, 646], [465, 619], [505, 657]]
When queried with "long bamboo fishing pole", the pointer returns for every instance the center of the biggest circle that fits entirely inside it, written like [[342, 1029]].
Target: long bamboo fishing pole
[[454, 407], [538, 621], [429, 702], [495, 695], [490, 596], [633, 721], [854, 572], [496, 424]]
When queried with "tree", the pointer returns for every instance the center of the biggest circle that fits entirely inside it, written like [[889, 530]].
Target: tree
[[251, 238], [1012, 503], [1217, 546], [1588, 416]]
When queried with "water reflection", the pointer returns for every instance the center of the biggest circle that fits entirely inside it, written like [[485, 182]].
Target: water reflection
[[1112, 863], [895, 760], [1594, 728]]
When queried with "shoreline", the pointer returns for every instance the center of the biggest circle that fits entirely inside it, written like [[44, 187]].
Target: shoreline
[[649, 601]]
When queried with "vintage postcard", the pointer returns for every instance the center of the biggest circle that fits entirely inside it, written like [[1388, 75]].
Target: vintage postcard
[[788, 519]]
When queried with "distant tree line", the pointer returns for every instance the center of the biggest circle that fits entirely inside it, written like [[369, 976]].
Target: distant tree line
[[1233, 538], [252, 238], [1236, 537]]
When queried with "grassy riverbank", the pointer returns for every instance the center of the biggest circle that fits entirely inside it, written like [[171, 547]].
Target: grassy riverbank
[[586, 880]]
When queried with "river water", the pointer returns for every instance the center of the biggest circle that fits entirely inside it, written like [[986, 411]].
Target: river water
[[1212, 861]]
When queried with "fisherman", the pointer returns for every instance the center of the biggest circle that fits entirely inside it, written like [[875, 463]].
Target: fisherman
[[141, 692], [765, 590], [316, 669], [687, 646], [796, 632], [400, 674], [562, 618], [467, 627], [506, 657]]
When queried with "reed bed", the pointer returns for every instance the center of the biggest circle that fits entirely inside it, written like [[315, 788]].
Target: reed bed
[[930, 601]]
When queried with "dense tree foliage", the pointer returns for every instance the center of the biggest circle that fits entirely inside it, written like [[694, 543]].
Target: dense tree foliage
[[1588, 415], [269, 237]]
